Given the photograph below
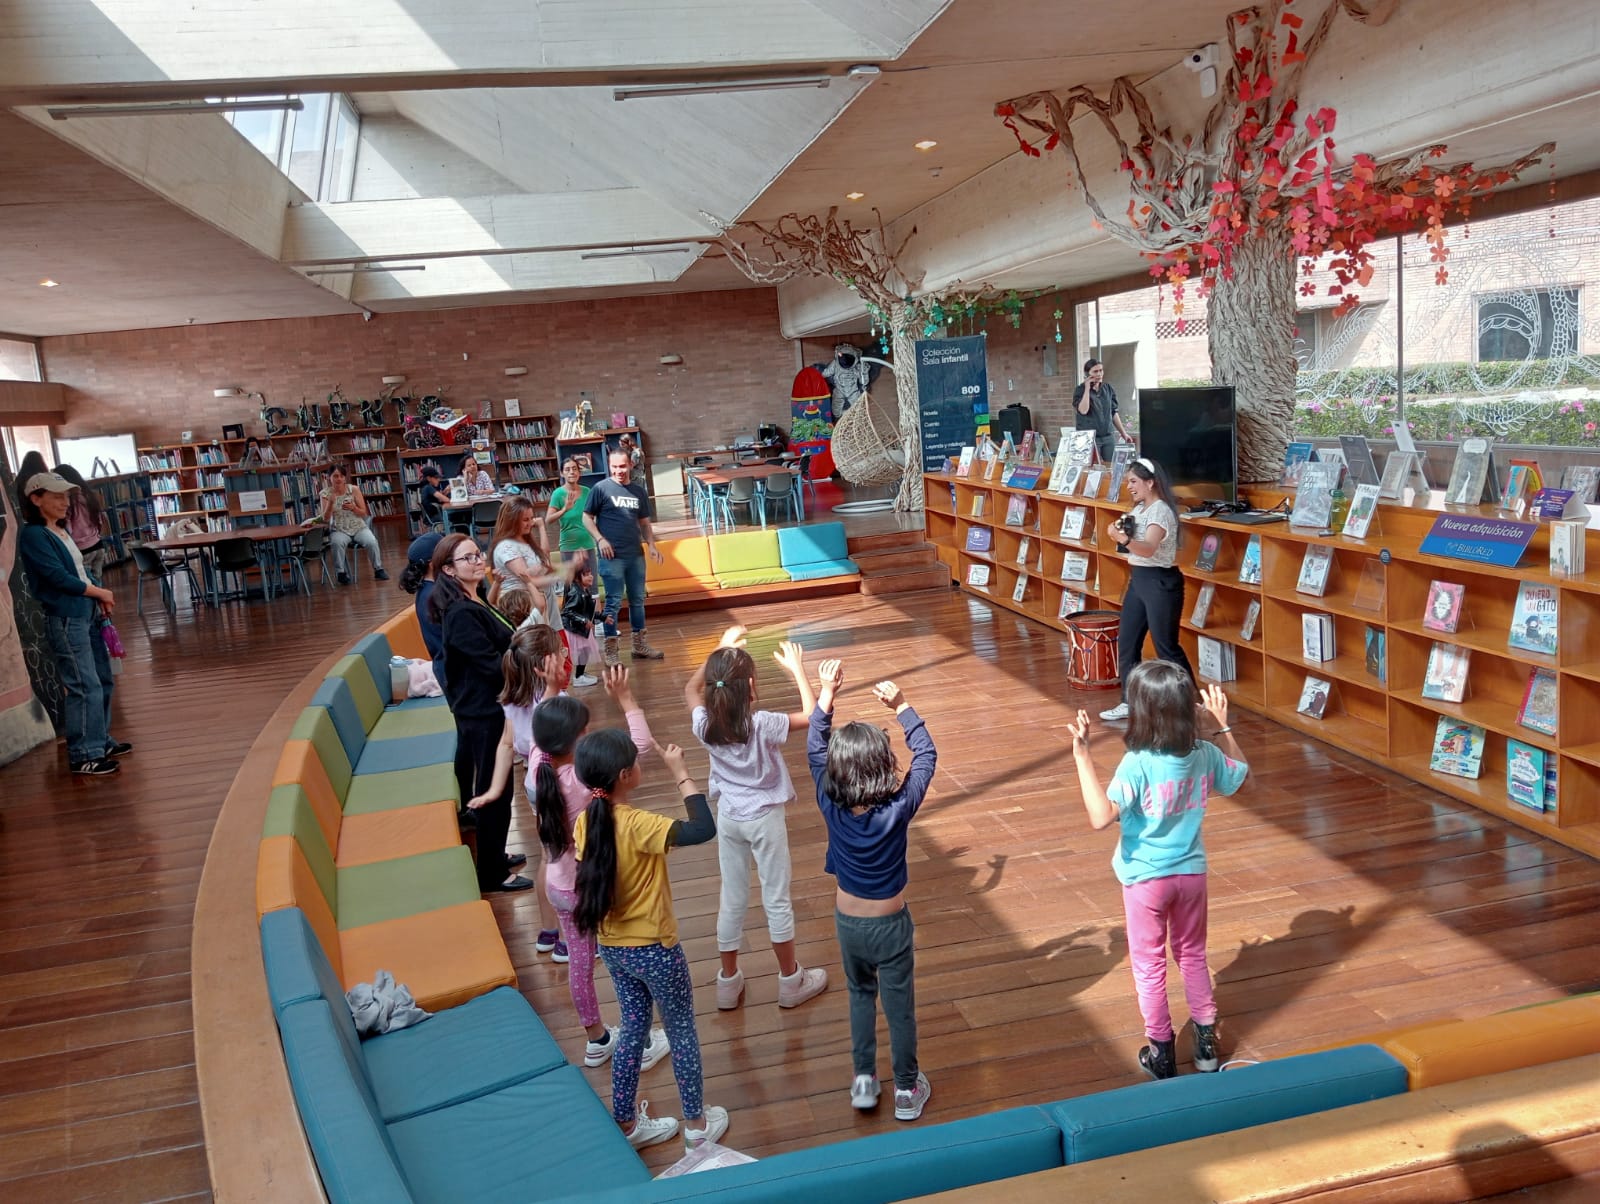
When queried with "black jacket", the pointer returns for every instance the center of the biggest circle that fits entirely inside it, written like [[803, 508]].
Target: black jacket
[[476, 636]]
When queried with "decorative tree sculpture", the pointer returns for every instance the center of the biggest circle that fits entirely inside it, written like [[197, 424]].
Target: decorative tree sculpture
[[1233, 208]]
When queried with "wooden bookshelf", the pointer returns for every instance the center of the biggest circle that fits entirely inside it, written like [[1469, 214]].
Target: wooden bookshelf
[[185, 482], [1386, 720]]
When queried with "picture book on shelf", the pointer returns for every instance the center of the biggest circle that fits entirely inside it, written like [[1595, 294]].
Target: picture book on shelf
[[1216, 659], [1074, 479], [1250, 566], [964, 465], [1206, 559], [1314, 697], [1074, 567], [1551, 794], [1446, 678], [978, 539], [980, 503], [1538, 711], [1252, 614], [1295, 457], [1358, 456], [1120, 459], [1443, 609], [1363, 509], [1334, 458], [1525, 774], [1378, 653], [1092, 480], [1396, 468], [1534, 624], [1022, 550], [1567, 548], [1021, 588], [1072, 522], [1016, 510], [1457, 748], [1469, 476], [1314, 570], [1532, 477], [991, 468], [978, 575], [1084, 450], [1071, 603], [1063, 463], [1202, 605], [1316, 637], [1583, 480], [1313, 501]]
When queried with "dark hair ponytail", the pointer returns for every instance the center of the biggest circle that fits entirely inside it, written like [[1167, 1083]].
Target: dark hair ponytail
[[727, 696], [557, 724], [413, 575], [600, 761]]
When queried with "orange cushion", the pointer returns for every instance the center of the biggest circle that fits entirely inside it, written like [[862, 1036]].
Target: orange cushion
[[444, 957], [682, 560], [299, 765], [284, 879], [385, 835], [679, 586], [405, 635], [1464, 1049]]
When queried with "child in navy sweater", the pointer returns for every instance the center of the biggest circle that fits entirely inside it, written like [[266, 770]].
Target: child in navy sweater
[[868, 809]]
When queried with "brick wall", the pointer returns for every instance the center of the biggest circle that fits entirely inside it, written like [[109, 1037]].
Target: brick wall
[[736, 370]]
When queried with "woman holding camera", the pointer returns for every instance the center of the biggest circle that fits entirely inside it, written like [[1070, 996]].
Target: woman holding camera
[[1153, 603]]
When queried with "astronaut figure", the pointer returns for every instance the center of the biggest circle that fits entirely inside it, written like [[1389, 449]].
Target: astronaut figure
[[849, 375]]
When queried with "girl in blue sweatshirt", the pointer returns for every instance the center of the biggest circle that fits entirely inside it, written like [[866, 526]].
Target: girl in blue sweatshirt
[[868, 808]]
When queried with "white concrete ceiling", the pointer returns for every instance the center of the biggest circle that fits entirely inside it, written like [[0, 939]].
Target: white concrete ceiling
[[497, 155]]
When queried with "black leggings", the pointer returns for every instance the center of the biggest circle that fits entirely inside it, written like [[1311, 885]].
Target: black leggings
[[477, 741], [1153, 605]]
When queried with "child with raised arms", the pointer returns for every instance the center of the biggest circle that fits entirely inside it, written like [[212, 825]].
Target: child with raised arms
[[868, 808], [1159, 794], [751, 784]]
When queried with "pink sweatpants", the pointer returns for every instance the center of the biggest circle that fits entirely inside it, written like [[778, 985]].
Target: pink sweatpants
[[1158, 911]]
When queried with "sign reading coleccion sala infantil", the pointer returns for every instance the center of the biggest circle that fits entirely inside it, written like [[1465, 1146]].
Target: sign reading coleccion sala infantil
[[1480, 540], [952, 395]]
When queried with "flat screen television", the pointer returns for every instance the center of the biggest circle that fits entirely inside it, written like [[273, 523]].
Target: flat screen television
[[1192, 434]]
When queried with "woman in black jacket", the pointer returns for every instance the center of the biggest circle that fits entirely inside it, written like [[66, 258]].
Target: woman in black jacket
[[476, 637]]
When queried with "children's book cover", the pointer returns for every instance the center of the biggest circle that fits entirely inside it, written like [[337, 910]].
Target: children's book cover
[[1071, 603], [1457, 748], [1534, 625], [1210, 549], [964, 465], [1022, 550], [1583, 480], [1250, 566], [1074, 567], [978, 539], [1202, 605], [1313, 500], [1362, 511], [1252, 613], [1072, 522], [1443, 609], [1470, 473], [1395, 470], [1525, 774], [1314, 697], [1019, 591], [1378, 653], [1120, 459], [1567, 548], [1295, 457], [1446, 677], [978, 575], [1314, 570], [1538, 711], [1092, 480], [1016, 510], [1317, 638], [980, 504]]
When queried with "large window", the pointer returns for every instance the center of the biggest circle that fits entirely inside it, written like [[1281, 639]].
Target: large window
[[315, 147], [19, 359], [1529, 323]]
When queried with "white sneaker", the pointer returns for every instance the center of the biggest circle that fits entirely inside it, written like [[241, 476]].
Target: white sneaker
[[1120, 711], [716, 1124], [800, 986], [656, 1050], [598, 1053], [585, 679], [652, 1130], [908, 1104], [729, 990], [864, 1092]]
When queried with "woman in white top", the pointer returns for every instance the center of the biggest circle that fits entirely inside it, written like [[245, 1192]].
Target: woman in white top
[[1153, 603], [517, 549], [345, 511]]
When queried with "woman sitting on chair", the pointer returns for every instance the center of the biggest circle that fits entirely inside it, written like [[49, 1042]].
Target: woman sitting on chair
[[345, 511], [478, 480]]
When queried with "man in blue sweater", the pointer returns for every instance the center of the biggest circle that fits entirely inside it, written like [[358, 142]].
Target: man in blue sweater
[[75, 609]]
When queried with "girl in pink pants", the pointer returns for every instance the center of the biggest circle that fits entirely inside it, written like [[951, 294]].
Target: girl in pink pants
[[1159, 795]]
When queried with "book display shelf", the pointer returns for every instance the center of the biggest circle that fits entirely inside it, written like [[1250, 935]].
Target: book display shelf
[[1375, 703], [128, 507], [185, 482], [525, 450], [597, 445], [370, 453]]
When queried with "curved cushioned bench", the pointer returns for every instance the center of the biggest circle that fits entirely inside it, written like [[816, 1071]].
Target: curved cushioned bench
[[714, 570]]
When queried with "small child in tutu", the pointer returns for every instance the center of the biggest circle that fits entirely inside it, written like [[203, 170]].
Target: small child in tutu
[[578, 609]]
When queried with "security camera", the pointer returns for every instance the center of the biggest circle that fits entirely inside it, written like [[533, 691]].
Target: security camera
[[1199, 60]]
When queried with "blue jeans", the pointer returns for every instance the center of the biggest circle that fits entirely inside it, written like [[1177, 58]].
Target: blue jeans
[[86, 681], [619, 574]]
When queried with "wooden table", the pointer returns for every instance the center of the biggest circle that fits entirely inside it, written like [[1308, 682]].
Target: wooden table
[[265, 538], [759, 473]]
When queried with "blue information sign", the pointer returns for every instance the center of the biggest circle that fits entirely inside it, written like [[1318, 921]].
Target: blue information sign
[[952, 395], [1481, 540]]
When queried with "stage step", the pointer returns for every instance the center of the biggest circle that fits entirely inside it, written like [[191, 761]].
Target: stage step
[[873, 560], [908, 579], [884, 541]]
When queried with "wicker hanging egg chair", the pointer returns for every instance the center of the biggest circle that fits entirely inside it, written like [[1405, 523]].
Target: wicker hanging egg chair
[[867, 448]]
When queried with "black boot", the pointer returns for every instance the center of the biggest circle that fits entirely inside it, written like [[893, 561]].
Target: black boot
[[1205, 1046], [1159, 1059]]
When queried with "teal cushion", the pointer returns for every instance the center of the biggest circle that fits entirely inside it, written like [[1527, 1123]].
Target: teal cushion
[[334, 695], [770, 576], [416, 704], [390, 791], [898, 1165], [458, 1054], [819, 541], [355, 1156], [297, 969], [479, 1149], [1200, 1105], [415, 752], [405, 886], [814, 569]]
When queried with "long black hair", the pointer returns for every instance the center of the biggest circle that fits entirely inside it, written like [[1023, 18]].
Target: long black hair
[[32, 465], [1150, 470], [600, 760], [557, 724], [447, 589], [1161, 700], [728, 674], [862, 770]]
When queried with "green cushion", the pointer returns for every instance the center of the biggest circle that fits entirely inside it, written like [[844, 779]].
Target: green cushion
[[742, 551], [423, 721], [405, 886], [289, 813], [402, 788], [316, 725], [752, 577], [358, 677]]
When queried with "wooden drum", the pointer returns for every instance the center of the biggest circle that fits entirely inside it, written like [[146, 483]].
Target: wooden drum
[[1092, 641]]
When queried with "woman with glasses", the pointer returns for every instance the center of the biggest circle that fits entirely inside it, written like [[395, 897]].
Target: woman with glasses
[[475, 637]]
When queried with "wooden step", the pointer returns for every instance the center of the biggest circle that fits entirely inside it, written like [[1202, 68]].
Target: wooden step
[[884, 540], [875, 560], [907, 580]]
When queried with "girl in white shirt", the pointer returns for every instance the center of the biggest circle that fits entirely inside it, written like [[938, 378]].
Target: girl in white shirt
[[752, 783], [1153, 603]]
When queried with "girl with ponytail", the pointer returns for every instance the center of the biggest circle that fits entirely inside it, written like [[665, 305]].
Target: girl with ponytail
[[624, 899]]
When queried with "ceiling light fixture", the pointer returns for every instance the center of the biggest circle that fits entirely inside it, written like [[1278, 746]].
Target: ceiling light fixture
[[926, 144], [518, 371], [862, 72], [623, 252], [228, 392], [48, 283], [366, 267], [854, 196], [179, 107], [394, 380]]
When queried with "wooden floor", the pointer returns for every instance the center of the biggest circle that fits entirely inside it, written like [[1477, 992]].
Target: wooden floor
[[1343, 899]]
